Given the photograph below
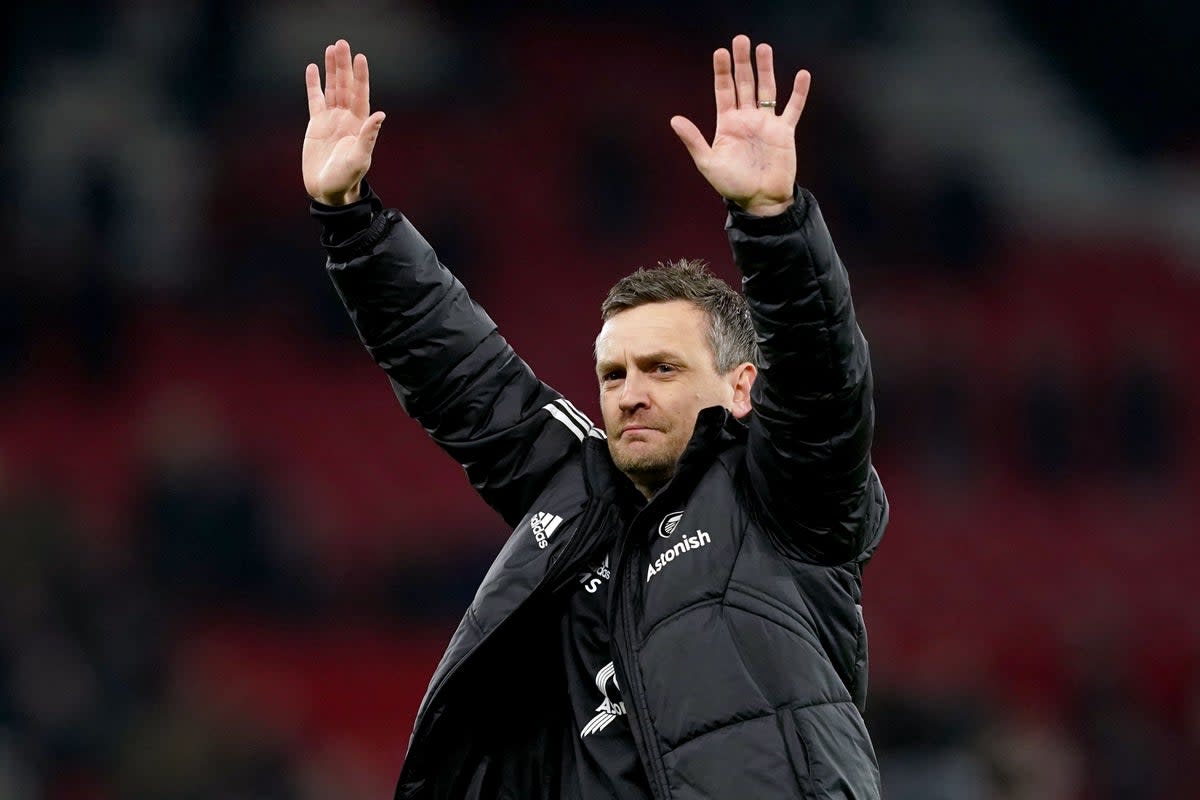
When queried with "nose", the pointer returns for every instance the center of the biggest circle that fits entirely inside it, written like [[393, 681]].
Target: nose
[[634, 393]]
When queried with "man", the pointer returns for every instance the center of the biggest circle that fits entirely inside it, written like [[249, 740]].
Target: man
[[677, 613]]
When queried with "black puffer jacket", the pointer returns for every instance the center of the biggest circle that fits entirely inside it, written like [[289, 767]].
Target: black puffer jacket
[[735, 603]]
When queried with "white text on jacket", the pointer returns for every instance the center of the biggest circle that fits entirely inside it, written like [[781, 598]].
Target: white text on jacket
[[690, 543]]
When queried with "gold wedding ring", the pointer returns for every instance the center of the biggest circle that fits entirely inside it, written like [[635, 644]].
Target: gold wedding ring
[[766, 103]]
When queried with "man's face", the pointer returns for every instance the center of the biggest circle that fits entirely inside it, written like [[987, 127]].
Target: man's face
[[657, 371]]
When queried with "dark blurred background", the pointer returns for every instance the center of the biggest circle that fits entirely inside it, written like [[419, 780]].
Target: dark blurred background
[[228, 561]]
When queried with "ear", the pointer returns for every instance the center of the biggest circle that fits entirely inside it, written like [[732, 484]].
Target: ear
[[742, 378]]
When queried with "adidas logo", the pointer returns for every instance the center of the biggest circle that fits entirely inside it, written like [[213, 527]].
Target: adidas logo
[[544, 524]]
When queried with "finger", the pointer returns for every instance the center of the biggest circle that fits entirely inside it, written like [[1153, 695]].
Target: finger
[[795, 104], [764, 59], [368, 134], [723, 81], [345, 75], [743, 72], [330, 71], [316, 98], [361, 105], [691, 137]]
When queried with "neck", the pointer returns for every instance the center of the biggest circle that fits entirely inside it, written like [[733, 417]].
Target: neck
[[648, 487]]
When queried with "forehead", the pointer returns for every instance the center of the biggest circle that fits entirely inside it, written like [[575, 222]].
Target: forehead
[[676, 325]]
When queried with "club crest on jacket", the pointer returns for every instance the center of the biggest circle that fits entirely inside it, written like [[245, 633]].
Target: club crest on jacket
[[669, 523]]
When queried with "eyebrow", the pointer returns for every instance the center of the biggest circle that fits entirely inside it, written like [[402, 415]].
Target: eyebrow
[[657, 357]]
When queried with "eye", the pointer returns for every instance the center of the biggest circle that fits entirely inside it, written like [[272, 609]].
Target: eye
[[612, 375], [664, 369]]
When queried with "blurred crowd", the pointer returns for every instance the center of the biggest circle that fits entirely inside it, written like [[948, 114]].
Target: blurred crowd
[[155, 203]]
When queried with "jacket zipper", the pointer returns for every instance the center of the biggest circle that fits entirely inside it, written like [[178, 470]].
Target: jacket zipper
[[568, 552], [626, 580]]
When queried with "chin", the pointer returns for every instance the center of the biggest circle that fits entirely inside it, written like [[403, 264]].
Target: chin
[[644, 466], [652, 479]]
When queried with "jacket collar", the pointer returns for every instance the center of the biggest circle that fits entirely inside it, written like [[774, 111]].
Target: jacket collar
[[716, 430]]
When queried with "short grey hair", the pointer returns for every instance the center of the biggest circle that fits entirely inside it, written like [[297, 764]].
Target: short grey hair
[[730, 331]]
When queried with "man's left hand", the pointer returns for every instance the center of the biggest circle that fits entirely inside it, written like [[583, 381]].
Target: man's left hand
[[752, 159]]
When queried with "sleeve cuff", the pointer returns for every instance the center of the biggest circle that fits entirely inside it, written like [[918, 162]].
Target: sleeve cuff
[[785, 222], [342, 223]]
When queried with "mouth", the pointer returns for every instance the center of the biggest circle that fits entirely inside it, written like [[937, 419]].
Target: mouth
[[635, 429]]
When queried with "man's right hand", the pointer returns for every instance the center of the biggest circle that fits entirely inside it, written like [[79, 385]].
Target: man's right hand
[[341, 130]]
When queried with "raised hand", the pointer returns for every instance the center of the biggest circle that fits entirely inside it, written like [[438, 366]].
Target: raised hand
[[752, 159], [341, 130]]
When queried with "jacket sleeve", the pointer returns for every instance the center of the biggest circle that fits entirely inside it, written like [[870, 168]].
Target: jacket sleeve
[[809, 449], [449, 366]]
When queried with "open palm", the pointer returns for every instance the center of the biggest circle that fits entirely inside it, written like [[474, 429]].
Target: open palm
[[341, 130], [752, 158]]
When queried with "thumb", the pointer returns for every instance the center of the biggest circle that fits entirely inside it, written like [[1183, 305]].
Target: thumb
[[691, 137], [369, 133]]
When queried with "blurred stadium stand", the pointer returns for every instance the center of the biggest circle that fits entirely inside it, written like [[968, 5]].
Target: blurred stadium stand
[[228, 562]]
